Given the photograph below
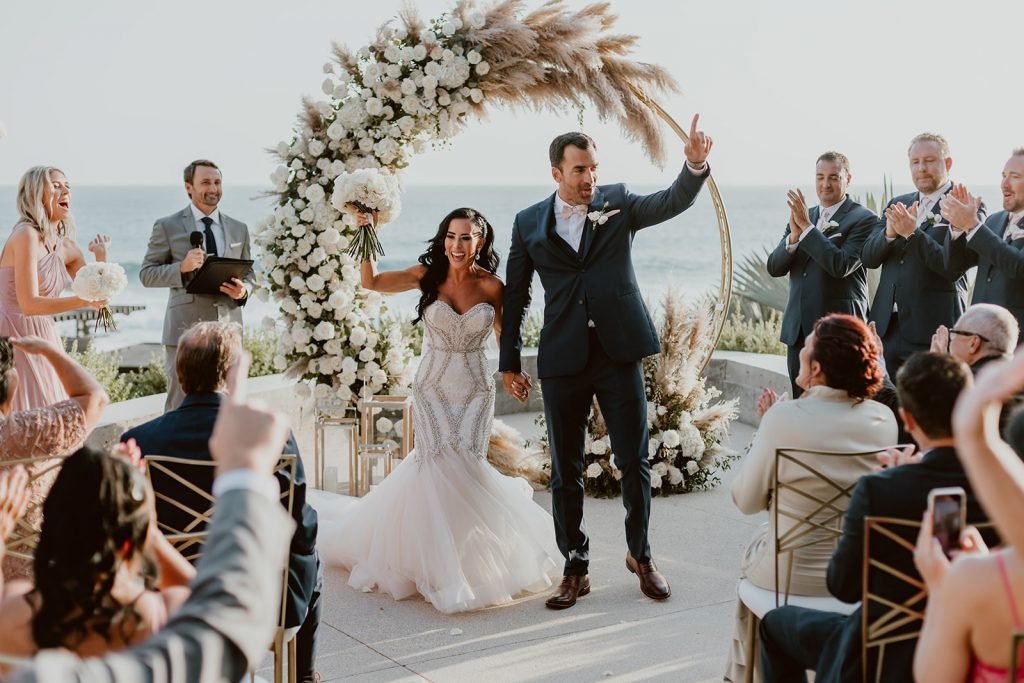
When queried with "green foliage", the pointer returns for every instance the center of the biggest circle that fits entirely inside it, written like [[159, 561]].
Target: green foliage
[[411, 334], [758, 292], [531, 329], [753, 336], [869, 198], [261, 345]]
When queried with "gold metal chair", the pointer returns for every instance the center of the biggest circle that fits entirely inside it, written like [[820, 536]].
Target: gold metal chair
[[24, 538], [821, 526], [193, 534]]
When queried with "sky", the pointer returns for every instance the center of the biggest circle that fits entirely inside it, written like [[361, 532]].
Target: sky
[[122, 92]]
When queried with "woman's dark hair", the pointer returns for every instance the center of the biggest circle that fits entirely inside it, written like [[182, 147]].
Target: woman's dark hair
[[6, 366], [846, 350], [96, 510], [436, 260]]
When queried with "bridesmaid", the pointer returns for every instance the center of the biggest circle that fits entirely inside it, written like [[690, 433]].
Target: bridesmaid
[[37, 265]]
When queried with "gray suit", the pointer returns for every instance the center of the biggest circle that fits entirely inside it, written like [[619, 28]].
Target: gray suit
[[161, 267], [226, 624]]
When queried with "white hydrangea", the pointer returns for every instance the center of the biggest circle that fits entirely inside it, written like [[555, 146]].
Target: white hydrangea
[[594, 470], [675, 476], [692, 466], [670, 438], [691, 442]]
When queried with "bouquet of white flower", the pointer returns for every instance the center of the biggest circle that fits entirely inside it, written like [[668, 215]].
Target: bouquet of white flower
[[366, 190], [100, 281]]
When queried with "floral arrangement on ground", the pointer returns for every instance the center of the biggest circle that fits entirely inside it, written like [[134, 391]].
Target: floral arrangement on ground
[[416, 85], [686, 423]]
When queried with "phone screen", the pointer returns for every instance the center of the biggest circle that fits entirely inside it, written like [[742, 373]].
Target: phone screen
[[947, 521]]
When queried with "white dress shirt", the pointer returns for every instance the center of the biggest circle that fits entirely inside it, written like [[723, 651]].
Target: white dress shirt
[[824, 216], [927, 205], [217, 228], [569, 229]]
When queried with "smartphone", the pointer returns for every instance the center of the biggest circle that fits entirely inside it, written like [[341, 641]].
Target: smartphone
[[948, 510]]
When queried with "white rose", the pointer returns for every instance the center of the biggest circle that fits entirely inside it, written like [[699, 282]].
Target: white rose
[[374, 106], [328, 86], [316, 148], [366, 354], [392, 53], [315, 194], [476, 95], [384, 425], [599, 447], [302, 389], [661, 468], [279, 362], [336, 131], [655, 480], [476, 19], [297, 283], [448, 28], [670, 438], [323, 331], [692, 467], [594, 470], [652, 448], [473, 57], [482, 68], [675, 476], [419, 53], [315, 283], [357, 337]]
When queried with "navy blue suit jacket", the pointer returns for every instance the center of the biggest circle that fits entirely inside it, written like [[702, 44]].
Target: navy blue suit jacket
[[825, 272], [185, 433], [598, 285], [1000, 278]]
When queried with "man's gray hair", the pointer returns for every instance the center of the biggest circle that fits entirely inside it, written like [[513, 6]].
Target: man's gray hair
[[993, 322]]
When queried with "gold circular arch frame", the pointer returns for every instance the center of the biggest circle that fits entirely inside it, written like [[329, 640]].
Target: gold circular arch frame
[[721, 308]]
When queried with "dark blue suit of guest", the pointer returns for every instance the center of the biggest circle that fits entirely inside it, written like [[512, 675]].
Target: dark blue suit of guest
[[997, 249], [185, 433], [823, 264], [596, 332]]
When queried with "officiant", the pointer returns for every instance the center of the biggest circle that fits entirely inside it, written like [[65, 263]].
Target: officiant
[[178, 247]]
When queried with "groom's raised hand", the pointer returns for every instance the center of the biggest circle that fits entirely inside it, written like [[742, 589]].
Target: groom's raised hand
[[698, 146]]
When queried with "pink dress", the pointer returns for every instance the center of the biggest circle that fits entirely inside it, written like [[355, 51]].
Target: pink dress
[[38, 385], [982, 672]]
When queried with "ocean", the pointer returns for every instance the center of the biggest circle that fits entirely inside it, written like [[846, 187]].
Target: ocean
[[683, 252]]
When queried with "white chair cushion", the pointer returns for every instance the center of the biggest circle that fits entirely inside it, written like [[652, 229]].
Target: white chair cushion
[[760, 600]]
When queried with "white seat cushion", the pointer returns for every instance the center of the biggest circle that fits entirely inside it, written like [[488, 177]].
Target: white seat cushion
[[760, 600]]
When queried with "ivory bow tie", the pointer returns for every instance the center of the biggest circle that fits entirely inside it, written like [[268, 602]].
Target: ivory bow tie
[[569, 211]]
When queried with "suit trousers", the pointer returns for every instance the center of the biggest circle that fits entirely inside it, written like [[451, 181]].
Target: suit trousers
[[619, 388], [174, 394], [305, 639], [896, 348], [793, 364], [793, 639]]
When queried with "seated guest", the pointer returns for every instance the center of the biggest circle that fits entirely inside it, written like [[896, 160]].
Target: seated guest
[[984, 333], [54, 430], [205, 352], [223, 629], [795, 639], [839, 372], [98, 544]]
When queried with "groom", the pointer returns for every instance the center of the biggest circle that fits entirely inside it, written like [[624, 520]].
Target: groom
[[596, 333]]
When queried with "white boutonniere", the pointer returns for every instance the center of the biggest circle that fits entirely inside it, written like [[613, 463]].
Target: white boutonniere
[[934, 218], [601, 217], [829, 228]]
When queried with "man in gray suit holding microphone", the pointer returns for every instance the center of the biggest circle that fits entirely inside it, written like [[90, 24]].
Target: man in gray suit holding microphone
[[177, 248]]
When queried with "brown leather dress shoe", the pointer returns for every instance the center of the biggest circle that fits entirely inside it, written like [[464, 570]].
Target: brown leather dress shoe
[[572, 587], [652, 583]]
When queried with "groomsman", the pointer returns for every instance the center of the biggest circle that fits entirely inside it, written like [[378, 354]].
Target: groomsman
[[820, 251], [996, 245], [919, 289]]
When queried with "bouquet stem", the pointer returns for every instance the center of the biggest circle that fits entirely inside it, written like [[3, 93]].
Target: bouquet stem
[[106, 318], [365, 245]]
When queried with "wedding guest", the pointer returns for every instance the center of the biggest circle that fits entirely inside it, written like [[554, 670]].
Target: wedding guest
[[995, 246], [918, 289], [52, 430], [596, 333], [795, 639], [974, 608], [204, 354], [820, 252], [38, 262], [223, 629], [94, 590], [171, 261], [839, 372]]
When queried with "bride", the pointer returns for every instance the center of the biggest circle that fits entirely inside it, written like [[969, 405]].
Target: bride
[[446, 524]]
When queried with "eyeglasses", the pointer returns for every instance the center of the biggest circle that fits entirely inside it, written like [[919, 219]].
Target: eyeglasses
[[964, 333]]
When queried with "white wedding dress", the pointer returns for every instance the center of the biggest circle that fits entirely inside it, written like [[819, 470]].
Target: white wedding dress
[[446, 524]]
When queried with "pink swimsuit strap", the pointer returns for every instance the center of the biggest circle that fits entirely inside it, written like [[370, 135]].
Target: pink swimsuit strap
[[1009, 590]]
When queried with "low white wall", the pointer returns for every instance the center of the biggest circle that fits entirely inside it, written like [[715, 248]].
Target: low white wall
[[737, 375]]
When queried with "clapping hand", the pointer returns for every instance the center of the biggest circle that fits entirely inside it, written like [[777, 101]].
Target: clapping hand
[[896, 456], [767, 399], [940, 340], [698, 145], [960, 208], [901, 220], [799, 219], [14, 497], [99, 246]]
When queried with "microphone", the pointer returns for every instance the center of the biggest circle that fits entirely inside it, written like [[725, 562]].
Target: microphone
[[197, 239]]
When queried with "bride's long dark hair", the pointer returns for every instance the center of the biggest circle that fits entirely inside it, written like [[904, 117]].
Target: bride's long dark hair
[[436, 261]]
